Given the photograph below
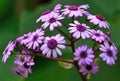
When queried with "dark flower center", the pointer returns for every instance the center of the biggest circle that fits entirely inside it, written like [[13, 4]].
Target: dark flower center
[[46, 12], [97, 34], [81, 28], [26, 66], [52, 44], [52, 20], [100, 17], [88, 67], [109, 53], [6, 51], [73, 8], [83, 54], [35, 38]]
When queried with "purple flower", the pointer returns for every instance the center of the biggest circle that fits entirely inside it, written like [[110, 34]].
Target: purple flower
[[20, 71], [89, 68], [98, 36], [23, 39], [109, 53], [24, 63], [24, 60], [84, 55], [45, 15], [79, 30], [53, 21], [98, 20], [35, 39], [7, 52], [76, 11], [52, 44]]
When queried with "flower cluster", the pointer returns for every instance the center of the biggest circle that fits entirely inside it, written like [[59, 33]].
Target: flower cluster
[[27, 45]]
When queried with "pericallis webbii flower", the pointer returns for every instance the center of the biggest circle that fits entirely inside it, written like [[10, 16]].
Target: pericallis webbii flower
[[35, 39], [46, 14], [98, 20], [84, 55], [52, 44], [74, 11], [109, 53], [53, 21], [79, 30], [98, 36], [89, 68], [23, 40], [8, 51], [24, 63]]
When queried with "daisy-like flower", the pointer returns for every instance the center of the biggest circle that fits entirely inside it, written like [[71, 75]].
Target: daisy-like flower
[[76, 11], [45, 15], [98, 36], [35, 39], [7, 52], [53, 21], [24, 60], [52, 44], [84, 55], [109, 53], [79, 30], [24, 63], [89, 68], [23, 40], [98, 20]]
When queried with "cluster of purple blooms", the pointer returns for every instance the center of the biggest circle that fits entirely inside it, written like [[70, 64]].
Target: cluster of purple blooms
[[36, 41]]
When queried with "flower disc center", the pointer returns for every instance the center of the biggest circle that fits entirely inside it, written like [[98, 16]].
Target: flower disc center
[[52, 44], [100, 17], [81, 28]]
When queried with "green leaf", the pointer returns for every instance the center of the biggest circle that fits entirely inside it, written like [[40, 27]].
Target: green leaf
[[66, 65], [88, 76]]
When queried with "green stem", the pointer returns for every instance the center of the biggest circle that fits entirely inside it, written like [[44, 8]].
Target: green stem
[[64, 24], [76, 63], [65, 35], [57, 59]]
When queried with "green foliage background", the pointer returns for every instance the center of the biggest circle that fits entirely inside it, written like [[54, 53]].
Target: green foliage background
[[47, 70]]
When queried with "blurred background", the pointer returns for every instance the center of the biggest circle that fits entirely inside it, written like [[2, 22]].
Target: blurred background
[[18, 17]]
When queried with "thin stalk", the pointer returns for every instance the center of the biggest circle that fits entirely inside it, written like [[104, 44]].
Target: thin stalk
[[65, 35], [64, 24], [56, 59], [76, 63]]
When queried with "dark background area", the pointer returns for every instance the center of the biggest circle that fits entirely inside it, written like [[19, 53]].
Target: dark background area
[[19, 16]]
